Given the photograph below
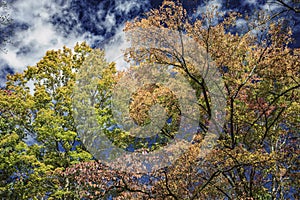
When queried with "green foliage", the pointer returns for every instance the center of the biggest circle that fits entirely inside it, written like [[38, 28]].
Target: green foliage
[[256, 156], [45, 116]]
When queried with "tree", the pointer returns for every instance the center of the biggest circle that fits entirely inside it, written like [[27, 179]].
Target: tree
[[255, 157], [288, 5], [257, 154], [37, 130], [260, 136]]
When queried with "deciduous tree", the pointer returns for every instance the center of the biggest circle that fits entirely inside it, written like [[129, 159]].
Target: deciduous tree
[[37, 130], [257, 153]]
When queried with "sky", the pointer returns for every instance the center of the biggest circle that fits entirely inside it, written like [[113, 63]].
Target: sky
[[41, 25]]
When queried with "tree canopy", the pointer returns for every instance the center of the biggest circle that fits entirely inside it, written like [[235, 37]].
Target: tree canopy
[[256, 155]]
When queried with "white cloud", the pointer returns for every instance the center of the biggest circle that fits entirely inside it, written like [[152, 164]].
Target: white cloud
[[215, 5], [270, 6], [250, 2], [31, 44], [110, 21], [127, 6], [241, 23], [115, 47]]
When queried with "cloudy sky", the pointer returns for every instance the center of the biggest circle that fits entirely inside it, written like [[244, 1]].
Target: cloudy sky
[[41, 25]]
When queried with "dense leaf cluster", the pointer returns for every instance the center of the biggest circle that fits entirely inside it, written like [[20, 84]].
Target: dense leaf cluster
[[256, 156]]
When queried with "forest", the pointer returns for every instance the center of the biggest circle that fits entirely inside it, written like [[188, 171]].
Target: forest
[[202, 112]]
